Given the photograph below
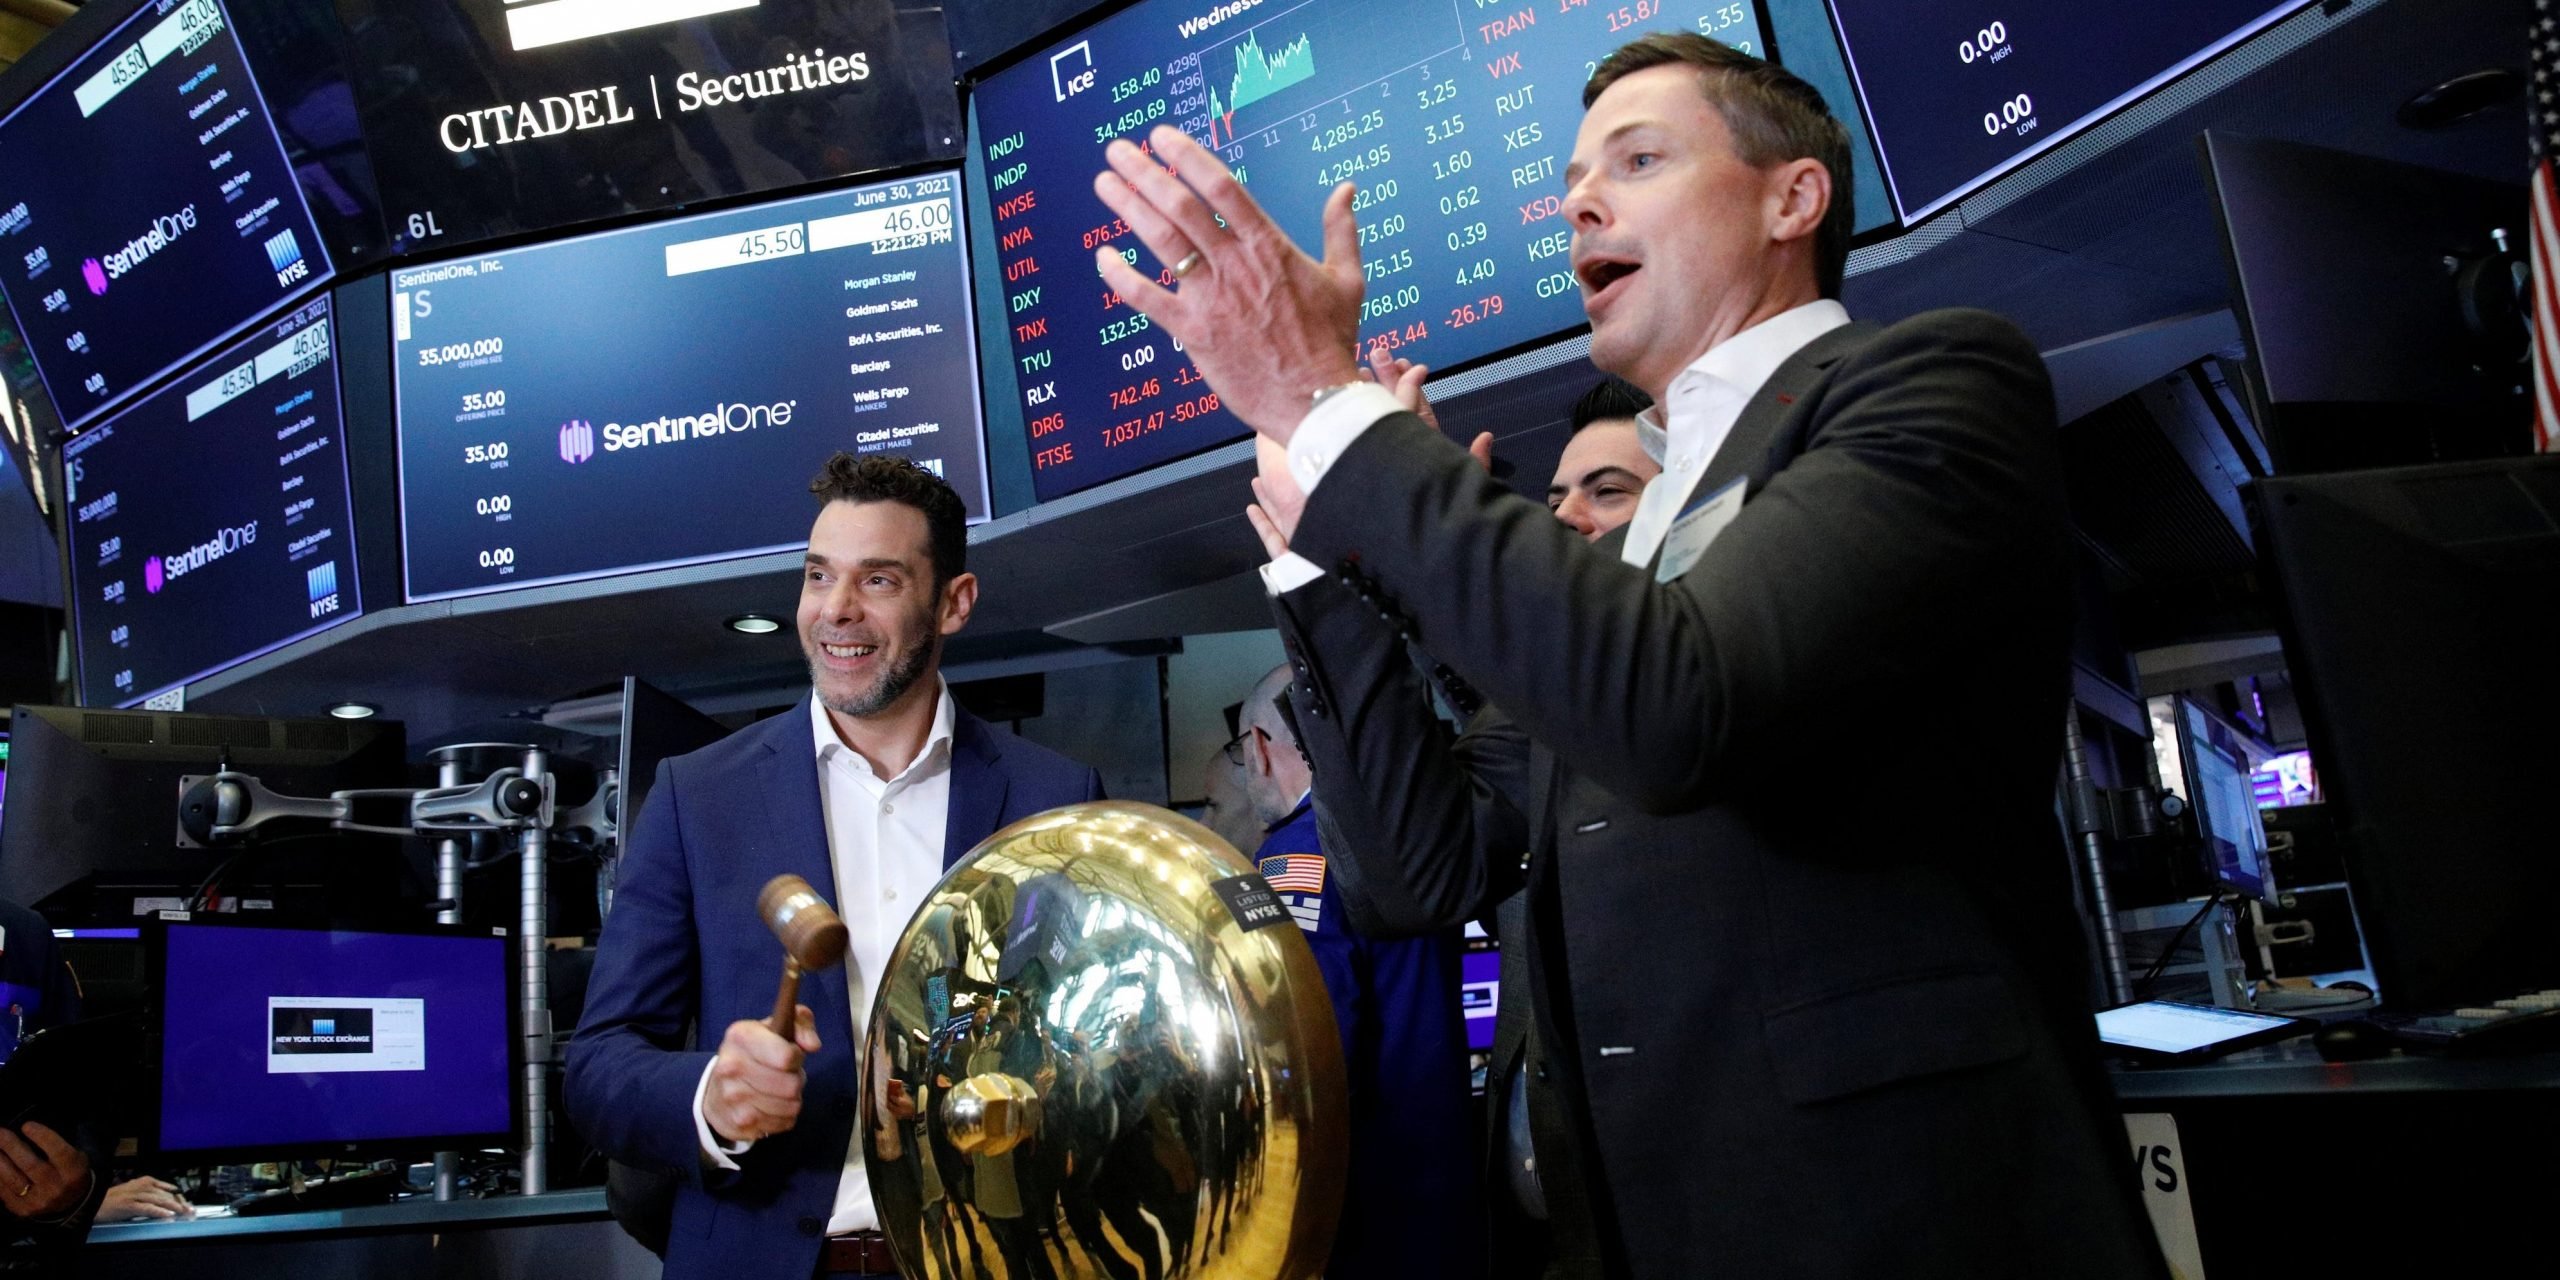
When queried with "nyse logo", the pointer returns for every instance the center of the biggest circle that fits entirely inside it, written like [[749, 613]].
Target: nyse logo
[[284, 253], [322, 580], [1065, 78], [577, 441], [532, 24], [933, 465], [95, 276]]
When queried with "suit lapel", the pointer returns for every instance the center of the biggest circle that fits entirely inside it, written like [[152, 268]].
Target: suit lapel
[[978, 787], [1747, 445]]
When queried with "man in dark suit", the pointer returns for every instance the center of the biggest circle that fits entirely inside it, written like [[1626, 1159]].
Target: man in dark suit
[[49, 1185], [1796, 1023], [869, 793]]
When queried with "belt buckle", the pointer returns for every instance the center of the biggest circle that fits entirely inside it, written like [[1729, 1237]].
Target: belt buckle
[[860, 1253]]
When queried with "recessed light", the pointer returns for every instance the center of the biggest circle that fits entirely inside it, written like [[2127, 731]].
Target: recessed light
[[354, 710], [754, 624]]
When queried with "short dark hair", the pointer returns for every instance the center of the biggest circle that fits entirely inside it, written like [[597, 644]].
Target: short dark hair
[[1610, 397], [1774, 117], [884, 478]]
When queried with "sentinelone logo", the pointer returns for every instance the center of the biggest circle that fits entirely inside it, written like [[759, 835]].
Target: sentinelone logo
[[719, 419], [577, 441], [163, 231], [533, 24], [159, 571]]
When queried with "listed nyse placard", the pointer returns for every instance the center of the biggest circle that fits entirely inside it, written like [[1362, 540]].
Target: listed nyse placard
[[492, 117]]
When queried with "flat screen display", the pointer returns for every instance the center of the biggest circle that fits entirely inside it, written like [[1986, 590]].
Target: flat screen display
[[488, 118], [1959, 92], [1455, 118], [209, 523], [274, 1039], [146, 207], [2225, 803], [661, 395]]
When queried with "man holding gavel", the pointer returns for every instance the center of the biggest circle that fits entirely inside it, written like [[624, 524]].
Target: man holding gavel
[[879, 787]]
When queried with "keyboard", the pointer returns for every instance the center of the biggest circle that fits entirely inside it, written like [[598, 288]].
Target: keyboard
[[338, 1191], [2519, 1023]]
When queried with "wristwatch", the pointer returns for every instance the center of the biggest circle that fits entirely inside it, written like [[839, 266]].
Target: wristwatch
[[1323, 394]]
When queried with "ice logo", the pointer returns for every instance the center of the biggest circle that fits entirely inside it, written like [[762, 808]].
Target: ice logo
[[96, 275], [577, 441], [153, 576]]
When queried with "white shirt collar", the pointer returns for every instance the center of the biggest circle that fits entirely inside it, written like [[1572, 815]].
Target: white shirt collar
[[937, 743], [1739, 364]]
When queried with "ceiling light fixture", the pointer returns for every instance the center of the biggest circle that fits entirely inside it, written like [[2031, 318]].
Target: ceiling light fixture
[[753, 624]]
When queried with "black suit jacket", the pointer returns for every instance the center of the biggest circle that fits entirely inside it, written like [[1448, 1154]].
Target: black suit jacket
[[1802, 941]]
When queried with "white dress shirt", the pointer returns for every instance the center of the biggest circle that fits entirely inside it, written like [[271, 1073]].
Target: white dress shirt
[[1705, 400], [885, 838]]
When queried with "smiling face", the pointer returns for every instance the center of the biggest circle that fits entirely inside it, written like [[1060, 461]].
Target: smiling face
[[1601, 477], [1678, 243], [871, 620]]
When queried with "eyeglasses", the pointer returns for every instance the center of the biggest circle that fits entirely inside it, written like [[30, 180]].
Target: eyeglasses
[[1235, 746]]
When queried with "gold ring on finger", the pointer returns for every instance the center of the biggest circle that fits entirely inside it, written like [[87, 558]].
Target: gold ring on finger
[[1190, 263]]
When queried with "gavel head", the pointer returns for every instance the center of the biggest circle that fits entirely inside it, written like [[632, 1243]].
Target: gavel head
[[811, 932]]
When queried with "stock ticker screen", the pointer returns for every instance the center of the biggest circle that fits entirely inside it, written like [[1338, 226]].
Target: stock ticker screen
[[1454, 117], [1959, 92], [209, 522], [661, 395], [146, 207]]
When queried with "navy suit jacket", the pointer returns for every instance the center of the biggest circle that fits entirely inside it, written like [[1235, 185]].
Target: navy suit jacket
[[684, 947]]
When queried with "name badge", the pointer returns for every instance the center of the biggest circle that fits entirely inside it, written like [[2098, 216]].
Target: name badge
[[1693, 529]]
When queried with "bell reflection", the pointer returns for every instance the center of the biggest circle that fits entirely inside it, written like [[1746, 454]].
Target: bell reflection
[[1091, 1057]]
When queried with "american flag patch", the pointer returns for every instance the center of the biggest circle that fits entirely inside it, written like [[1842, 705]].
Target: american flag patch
[[1295, 872]]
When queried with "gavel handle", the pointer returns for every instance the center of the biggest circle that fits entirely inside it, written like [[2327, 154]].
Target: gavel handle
[[786, 1003]]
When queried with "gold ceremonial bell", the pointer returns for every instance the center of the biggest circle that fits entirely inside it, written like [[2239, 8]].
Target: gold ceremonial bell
[[1103, 1050]]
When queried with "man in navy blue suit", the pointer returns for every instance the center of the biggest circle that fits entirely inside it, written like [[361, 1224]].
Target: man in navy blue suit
[[1410, 1206], [869, 794]]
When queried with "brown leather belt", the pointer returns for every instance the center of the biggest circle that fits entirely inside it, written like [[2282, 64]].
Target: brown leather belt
[[858, 1253]]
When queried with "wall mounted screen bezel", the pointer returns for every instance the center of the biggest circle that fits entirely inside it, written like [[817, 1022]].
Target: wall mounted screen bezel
[[127, 39], [407, 423], [1911, 212], [1047, 43], [315, 311]]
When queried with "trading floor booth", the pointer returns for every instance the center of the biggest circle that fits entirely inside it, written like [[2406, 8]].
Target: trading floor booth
[[419, 402]]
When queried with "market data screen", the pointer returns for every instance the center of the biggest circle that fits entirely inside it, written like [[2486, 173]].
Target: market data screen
[[661, 395], [1454, 117], [1959, 92], [209, 523], [146, 207]]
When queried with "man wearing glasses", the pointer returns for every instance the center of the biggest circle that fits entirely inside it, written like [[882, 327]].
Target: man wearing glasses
[[1412, 1193]]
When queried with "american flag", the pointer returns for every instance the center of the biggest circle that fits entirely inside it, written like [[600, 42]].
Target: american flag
[[2544, 112], [1295, 872]]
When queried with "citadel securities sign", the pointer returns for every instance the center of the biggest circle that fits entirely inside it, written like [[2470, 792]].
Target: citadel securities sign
[[489, 118]]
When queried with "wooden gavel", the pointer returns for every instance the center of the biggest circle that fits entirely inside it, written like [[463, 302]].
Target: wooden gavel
[[813, 937]]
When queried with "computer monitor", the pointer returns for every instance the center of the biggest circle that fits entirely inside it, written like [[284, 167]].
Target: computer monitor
[[278, 1042], [2417, 610], [2225, 804], [2364, 349], [96, 808], [2203, 761], [655, 727]]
